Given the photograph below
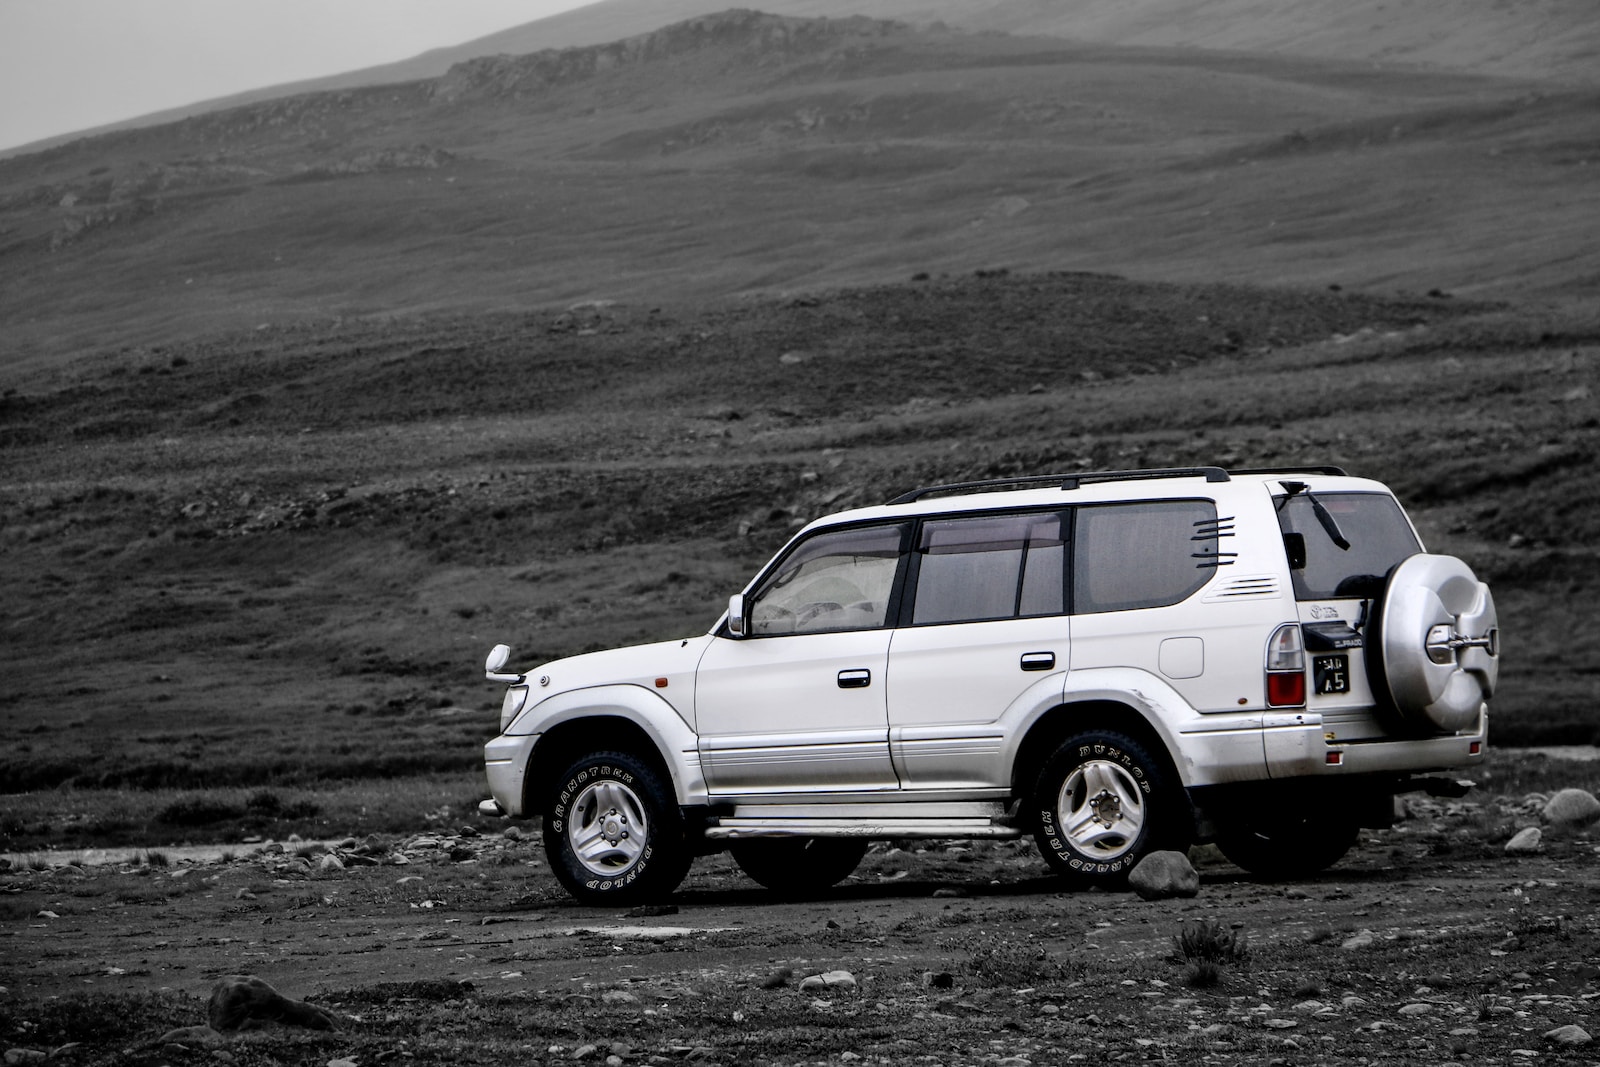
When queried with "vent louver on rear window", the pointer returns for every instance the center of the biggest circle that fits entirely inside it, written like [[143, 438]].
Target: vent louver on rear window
[[1246, 587]]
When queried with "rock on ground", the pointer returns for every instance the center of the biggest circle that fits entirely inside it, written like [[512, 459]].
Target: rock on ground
[[1572, 807], [1525, 841], [243, 1002], [1164, 874], [1571, 1034]]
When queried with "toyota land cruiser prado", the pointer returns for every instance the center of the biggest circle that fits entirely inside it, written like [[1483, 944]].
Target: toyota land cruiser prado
[[1112, 662]]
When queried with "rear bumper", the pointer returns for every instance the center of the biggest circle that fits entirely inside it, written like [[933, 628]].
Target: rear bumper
[[1301, 749], [505, 764]]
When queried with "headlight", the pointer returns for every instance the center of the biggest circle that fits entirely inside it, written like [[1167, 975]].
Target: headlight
[[516, 699]]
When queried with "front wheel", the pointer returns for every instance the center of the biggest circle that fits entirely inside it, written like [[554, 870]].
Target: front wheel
[[1290, 846], [1102, 803], [613, 833], [798, 866]]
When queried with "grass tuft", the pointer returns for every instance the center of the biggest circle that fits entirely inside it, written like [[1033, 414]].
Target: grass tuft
[[1210, 941]]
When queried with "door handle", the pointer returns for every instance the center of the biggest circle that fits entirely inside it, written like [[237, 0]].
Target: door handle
[[855, 679], [1038, 661]]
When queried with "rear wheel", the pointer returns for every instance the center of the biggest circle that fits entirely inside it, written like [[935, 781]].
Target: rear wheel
[[1289, 846], [613, 833], [1102, 803], [796, 866]]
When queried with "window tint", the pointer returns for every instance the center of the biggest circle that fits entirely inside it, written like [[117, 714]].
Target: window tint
[[1145, 555], [1379, 537], [839, 580], [989, 567]]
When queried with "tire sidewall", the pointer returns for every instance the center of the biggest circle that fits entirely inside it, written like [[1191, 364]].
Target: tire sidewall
[[1290, 848], [1160, 826], [661, 863], [799, 866]]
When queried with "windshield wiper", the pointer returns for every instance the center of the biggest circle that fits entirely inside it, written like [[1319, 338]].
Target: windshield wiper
[[1324, 516]]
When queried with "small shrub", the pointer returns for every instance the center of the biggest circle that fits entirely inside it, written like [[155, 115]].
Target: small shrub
[[1010, 962], [1202, 974], [1210, 941]]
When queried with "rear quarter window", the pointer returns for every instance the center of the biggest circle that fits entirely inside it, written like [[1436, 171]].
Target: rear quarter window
[[1379, 536], [1144, 555]]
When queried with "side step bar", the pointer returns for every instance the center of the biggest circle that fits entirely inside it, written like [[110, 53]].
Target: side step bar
[[863, 820]]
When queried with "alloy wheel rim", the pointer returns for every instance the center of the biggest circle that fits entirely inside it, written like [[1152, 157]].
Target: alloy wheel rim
[[608, 829], [1101, 809]]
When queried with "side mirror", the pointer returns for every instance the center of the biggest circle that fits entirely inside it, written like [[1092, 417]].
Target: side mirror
[[498, 655], [738, 625], [1294, 544]]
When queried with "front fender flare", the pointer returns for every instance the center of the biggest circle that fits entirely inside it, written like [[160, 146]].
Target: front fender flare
[[674, 741]]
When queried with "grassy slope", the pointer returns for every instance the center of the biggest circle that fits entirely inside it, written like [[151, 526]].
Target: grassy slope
[[275, 558]]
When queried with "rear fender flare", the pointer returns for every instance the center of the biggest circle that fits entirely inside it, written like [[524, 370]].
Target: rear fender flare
[[1155, 702]]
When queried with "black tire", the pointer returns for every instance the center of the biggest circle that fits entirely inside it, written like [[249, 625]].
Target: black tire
[[799, 866], [1101, 803], [1289, 847], [613, 833]]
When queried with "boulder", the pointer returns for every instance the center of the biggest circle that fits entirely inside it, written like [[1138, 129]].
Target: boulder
[[245, 1002], [1161, 875], [1572, 807]]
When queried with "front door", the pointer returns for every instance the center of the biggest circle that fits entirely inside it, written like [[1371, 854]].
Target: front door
[[798, 705], [804, 712]]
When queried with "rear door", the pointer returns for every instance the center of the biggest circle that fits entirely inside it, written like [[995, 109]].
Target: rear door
[[982, 630]]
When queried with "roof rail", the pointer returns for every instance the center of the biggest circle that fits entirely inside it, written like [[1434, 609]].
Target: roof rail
[[1338, 472], [1067, 481]]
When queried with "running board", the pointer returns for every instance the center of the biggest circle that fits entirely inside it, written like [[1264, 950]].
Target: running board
[[863, 820]]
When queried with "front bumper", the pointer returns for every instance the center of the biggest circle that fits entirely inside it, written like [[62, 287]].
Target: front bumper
[[505, 763]]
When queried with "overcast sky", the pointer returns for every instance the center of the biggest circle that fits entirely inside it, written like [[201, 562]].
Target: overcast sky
[[68, 65]]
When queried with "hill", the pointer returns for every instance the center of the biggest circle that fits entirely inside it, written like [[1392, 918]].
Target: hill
[[752, 153], [1555, 40]]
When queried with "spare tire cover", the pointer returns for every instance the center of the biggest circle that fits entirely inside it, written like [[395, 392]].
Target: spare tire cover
[[1433, 649]]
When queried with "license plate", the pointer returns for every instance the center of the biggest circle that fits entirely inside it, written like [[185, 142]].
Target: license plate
[[1331, 674]]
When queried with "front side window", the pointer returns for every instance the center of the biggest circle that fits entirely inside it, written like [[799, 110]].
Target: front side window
[[1372, 523], [837, 580], [989, 567], [1143, 555]]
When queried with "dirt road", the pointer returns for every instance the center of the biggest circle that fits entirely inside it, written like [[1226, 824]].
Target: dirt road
[[1427, 944]]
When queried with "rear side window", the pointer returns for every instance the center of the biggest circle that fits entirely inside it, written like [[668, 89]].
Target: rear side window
[[1143, 555], [989, 567], [1379, 537]]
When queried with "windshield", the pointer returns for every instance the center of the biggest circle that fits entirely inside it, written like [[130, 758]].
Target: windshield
[[1378, 533]]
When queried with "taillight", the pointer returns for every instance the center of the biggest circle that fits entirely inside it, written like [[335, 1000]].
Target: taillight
[[1286, 668]]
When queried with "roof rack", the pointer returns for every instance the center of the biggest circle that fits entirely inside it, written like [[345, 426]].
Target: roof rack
[[1067, 481], [1337, 472]]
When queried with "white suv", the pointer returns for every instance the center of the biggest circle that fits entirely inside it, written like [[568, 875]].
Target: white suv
[[1114, 662]]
